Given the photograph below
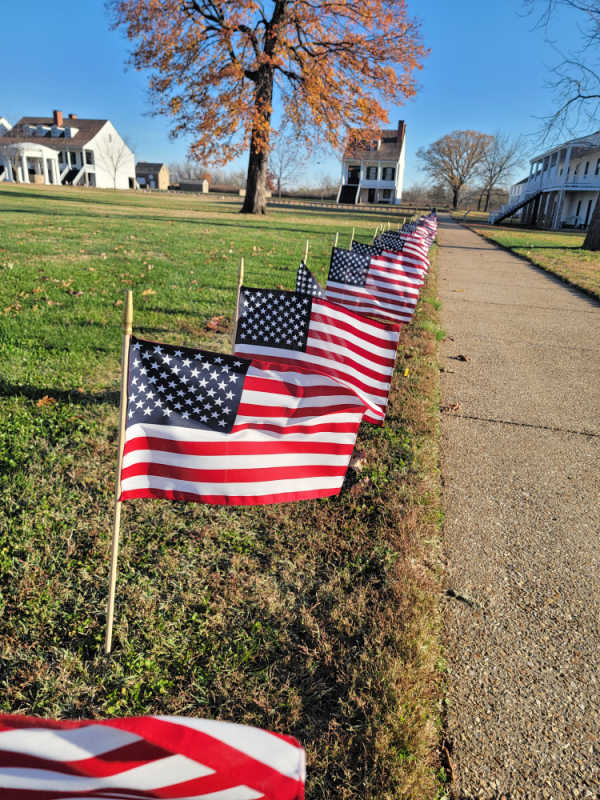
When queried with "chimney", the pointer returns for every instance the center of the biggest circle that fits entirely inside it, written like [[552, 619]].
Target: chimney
[[72, 116], [401, 130], [58, 118]]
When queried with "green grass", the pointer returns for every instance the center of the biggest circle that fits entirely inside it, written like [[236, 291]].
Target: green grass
[[556, 252], [318, 619]]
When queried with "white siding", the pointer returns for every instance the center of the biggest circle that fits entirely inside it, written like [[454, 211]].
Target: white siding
[[114, 162]]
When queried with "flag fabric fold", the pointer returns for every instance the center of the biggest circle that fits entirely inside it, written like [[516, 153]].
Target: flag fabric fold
[[146, 757], [300, 329], [306, 283], [384, 285], [216, 428]]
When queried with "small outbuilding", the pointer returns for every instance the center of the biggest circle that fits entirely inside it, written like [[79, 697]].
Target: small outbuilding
[[149, 175]]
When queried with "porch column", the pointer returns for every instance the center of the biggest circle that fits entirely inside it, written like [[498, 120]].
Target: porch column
[[558, 210], [25, 175], [44, 168]]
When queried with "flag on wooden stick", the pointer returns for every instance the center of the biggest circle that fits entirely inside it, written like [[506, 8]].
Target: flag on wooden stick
[[384, 285], [306, 283], [146, 757], [310, 331], [216, 428]]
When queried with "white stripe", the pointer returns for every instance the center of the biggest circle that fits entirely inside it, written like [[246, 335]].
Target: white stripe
[[338, 313], [159, 773], [383, 351], [232, 461], [228, 488], [276, 753], [66, 745], [233, 793], [360, 292], [328, 363], [295, 403], [176, 433], [362, 360]]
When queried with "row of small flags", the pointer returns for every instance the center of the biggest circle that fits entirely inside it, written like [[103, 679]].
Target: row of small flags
[[274, 422]]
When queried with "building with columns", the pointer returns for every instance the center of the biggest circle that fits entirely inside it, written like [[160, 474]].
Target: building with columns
[[561, 189], [68, 151], [373, 169]]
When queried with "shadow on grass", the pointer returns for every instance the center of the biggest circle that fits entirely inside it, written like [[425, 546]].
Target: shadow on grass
[[71, 396]]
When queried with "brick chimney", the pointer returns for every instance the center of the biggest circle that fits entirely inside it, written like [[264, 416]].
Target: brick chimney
[[72, 116], [401, 131], [58, 118]]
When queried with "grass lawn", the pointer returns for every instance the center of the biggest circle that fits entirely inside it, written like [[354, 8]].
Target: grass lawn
[[318, 619], [557, 252]]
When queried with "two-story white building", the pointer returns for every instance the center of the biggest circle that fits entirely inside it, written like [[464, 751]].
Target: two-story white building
[[562, 188], [373, 170], [70, 151]]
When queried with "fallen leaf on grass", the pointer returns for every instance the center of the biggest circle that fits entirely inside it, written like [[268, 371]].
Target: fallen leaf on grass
[[451, 407], [118, 302], [147, 292], [46, 401], [358, 460], [216, 323], [360, 487]]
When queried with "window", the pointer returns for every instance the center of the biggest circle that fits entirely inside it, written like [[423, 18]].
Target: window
[[587, 167], [386, 194], [89, 157], [578, 208], [553, 159], [597, 170], [371, 173], [576, 168], [388, 173]]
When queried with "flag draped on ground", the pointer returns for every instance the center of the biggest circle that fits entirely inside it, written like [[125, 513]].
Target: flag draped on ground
[[302, 329], [216, 428], [146, 757]]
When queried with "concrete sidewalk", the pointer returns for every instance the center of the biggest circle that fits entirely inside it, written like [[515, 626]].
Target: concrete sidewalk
[[521, 476]]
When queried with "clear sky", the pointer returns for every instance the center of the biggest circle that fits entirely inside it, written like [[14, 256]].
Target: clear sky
[[487, 70]]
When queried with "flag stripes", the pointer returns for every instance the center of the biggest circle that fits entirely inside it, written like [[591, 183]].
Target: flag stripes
[[146, 757], [292, 439]]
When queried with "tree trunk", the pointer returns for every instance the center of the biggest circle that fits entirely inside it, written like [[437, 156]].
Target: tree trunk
[[255, 201], [487, 199], [592, 239], [455, 193]]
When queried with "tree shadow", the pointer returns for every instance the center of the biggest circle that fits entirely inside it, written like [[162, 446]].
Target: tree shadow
[[70, 396]]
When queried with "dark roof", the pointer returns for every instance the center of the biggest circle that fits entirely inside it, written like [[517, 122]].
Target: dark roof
[[388, 145], [86, 130], [147, 166]]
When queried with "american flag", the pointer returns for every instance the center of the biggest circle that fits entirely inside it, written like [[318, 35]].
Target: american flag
[[215, 428], [306, 283], [385, 285], [146, 757], [414, 251], [352, 349]]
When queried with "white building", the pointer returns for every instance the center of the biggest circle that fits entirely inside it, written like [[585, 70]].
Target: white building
[[562, 188], [55, 150], [373, 171]]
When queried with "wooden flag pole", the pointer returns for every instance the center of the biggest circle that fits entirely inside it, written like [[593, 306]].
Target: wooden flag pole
[[237, 303], [127, 329], [306, 253], [335, 244], [351, 238]]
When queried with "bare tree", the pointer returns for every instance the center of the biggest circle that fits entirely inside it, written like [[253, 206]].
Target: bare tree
[[576, 82], [287, 157], [112, 157], [454, 159], [500, 159]]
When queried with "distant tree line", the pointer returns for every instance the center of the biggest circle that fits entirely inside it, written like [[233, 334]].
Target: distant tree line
[[463, 162]]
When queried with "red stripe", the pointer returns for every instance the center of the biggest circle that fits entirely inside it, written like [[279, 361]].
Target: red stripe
[[317, 302], [323, 336], [363, 385], [262, 412], [389, 343], [229, 500], [273, 386], [233, 448], [231, 475], [323, 427]]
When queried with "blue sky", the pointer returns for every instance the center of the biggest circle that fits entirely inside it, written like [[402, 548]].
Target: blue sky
[[487, 70]]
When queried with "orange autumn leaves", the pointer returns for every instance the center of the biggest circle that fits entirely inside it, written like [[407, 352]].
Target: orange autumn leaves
[[214, 66]]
